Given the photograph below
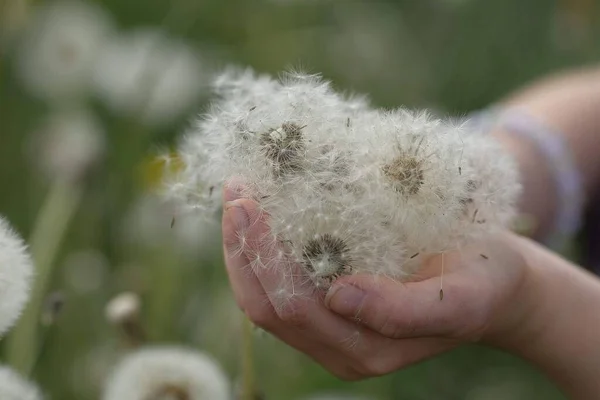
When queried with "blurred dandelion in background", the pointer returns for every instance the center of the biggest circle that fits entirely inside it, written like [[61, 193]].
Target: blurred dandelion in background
[[68, 144], [164, 372], [149, 74], [15, 387], [61, 48]]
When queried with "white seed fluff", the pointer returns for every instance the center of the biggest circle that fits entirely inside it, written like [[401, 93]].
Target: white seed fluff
[[14, 387], [16, 270], [123, 307], [61, 47], [149, 74], [68, 144], [347, 188], [167, 373]]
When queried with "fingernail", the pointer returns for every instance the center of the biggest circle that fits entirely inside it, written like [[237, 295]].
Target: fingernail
[[237, 213], [344, 299]]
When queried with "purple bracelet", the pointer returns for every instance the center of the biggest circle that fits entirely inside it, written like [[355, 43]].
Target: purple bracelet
[[559, 159]]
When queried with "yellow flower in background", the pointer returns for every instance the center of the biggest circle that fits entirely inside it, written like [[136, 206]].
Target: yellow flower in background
[[156, 169]]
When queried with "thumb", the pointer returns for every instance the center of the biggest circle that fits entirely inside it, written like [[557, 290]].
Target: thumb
[[413, 309]]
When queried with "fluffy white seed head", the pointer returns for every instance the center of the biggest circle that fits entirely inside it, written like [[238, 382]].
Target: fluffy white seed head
[[14, 387], [347, 188], [162, 373], [61, 48], [149, 74], [123, 307], [16, 270], [68, 144]]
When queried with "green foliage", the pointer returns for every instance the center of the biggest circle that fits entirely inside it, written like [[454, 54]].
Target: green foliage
[[452, 55]]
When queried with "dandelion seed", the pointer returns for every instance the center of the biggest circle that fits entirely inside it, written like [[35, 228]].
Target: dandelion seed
[[53, 306]]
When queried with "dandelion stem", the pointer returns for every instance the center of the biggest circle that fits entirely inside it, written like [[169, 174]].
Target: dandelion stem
[[442, 280], [247, 361], [49, 230]]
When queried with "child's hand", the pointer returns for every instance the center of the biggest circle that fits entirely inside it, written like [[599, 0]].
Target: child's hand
[[365, 326]]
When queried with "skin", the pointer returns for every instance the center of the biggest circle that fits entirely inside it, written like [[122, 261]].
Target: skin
[[521, 298], [507, 292]]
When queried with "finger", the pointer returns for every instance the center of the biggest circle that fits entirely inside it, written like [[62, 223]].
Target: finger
[[246, 287], [403, 310], [252, 298], [350, 352], [291, 293]]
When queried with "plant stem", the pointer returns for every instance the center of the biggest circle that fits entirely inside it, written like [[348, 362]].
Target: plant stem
[[51, 225], [248, 389]]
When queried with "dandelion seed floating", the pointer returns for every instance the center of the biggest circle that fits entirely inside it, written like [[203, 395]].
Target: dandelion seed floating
[[348, 189]]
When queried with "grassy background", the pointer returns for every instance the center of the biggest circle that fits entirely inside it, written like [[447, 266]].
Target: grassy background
[[452, 55]]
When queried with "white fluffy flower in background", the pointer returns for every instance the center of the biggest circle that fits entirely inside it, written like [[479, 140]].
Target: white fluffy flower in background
[[167, 372], [16, 270], [348, 189], [14, 387], [61, 47], [123, 307], [148, 74], [68, 143]]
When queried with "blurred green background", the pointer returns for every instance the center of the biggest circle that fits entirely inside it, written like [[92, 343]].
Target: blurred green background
[[131, 75]]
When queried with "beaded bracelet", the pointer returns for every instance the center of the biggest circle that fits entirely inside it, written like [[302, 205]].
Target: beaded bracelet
[[553, 146]]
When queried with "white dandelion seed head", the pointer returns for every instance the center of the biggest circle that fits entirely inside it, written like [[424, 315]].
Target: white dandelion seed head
[[16, 271], [347, 188], [123, 307], [68, 143], [149, 74], [15, 387], [61, 47], [160, 372]]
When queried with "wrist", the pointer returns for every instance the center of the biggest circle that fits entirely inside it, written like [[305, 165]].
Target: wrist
[[517, 321], [554, 322]]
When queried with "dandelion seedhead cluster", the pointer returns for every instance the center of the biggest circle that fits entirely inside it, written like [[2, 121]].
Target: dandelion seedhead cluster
[[347, 188]]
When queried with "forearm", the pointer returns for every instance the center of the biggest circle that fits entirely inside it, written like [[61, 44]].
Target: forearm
[[558, 323], [568, 103]]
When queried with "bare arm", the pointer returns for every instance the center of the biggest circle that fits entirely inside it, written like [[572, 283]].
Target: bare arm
[[569, 103], [559, 325]]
